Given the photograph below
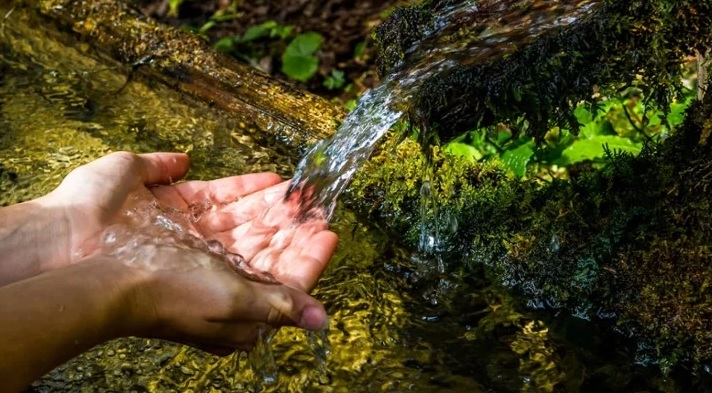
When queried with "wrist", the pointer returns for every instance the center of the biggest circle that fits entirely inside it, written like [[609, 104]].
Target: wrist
[[133, 312], [32, 240]]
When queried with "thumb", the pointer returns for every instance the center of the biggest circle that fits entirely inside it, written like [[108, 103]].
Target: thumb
[[291, 307]]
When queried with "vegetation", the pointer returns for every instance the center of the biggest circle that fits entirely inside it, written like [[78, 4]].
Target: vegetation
[[621, 124], [321, 46], [628, 244], [623, 44], [621, 234]]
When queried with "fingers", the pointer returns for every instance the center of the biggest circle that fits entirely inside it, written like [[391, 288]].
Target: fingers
[[152, 168], [273, 306], [226, 190], [162, 168], [301, 267], [278, 305], [292, 307]]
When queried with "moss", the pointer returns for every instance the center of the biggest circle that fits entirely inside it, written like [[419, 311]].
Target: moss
[[628, 244], [536, 83]]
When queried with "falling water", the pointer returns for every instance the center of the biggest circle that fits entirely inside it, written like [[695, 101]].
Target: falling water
[[472, 32]]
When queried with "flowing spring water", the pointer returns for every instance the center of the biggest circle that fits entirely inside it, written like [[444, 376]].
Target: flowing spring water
[[471, 32]]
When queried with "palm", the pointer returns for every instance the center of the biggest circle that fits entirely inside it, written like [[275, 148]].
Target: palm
[[247, 214], [250, 217]]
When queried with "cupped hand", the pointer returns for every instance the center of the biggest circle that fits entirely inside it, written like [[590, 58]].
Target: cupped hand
[[247, 213], [212, 308]]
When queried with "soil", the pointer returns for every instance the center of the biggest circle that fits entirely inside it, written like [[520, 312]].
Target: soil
[[345, 25]]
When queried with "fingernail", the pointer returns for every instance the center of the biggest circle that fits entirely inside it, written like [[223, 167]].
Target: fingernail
[[313, 318]]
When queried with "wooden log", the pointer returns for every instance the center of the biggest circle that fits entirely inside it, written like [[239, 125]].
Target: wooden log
[[186, 63]]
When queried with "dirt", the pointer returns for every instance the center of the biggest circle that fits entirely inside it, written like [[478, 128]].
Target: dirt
[[346, 26]]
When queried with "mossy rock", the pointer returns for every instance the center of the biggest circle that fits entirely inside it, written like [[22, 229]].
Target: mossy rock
[[535, 83], [627, 245]]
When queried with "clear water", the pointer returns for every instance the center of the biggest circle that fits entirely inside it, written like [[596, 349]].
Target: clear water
[[60, 107], [472, 32]]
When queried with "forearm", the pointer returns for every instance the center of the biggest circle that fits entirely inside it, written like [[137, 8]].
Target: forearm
[[48, 319], [31, 237]]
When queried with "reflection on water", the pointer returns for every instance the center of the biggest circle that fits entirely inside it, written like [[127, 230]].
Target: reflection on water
[[60, 107]]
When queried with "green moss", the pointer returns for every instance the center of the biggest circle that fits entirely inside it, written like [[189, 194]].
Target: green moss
[[629, 244], [535, 84]]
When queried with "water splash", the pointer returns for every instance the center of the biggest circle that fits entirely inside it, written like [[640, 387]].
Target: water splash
[[329, 166], [473, 32], [152, 237]]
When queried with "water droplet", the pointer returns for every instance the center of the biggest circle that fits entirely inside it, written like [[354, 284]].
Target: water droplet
[[554, 244]]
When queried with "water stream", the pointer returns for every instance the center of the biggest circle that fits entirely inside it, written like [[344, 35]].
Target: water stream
[[470, 32]]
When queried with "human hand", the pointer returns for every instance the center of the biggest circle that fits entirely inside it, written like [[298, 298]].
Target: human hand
[[91, 196], [212, 308], [49, 318], [187, 295], [198, 299]]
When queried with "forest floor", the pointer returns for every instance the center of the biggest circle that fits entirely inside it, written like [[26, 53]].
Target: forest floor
[[346, 56]]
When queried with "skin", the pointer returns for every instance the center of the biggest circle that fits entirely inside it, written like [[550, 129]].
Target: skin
[[60, 294]]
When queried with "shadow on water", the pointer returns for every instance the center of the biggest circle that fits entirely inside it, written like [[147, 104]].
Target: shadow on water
[[61, 107]]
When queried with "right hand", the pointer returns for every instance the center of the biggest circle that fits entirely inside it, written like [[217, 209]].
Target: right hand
[[215, 309], [199, 300]]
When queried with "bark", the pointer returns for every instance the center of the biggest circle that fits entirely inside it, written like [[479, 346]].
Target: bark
[[186, 63]]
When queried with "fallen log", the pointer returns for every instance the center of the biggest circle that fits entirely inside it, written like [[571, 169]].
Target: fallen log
[[186, 63]]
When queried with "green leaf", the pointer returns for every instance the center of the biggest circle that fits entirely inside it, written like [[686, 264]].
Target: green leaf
[[335, 80], [360, 49], [583, 115], [517, 159], [462, 150], [593, 148], [503, 136], [677, 112], [281, 31], [301, 68], [225, 45], [304, 44], [257, 31], [207, 26], [173, 7], [298, 60]]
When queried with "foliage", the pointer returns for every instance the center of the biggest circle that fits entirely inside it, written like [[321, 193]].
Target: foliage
[[636, 43], [335, 80], [220, 16], [298, 60], [619, 124], [628, 243], [269, 29], [173, 7]]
